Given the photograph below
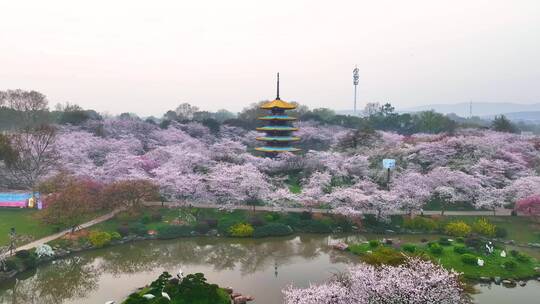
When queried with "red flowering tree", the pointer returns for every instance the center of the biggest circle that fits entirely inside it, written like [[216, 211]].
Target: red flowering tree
[[529, 205]]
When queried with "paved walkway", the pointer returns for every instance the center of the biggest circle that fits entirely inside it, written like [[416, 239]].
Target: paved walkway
[[498, 212], [55, 236]]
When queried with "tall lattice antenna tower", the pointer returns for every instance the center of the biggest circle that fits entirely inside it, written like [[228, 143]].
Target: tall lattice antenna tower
[[470, 109], [355, 82]]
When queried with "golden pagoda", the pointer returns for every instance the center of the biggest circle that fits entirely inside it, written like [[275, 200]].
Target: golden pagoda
[[278, 127]]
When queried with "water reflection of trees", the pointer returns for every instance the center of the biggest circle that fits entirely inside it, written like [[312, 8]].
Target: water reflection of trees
[[76, 276], [246, 255], [69, 278]]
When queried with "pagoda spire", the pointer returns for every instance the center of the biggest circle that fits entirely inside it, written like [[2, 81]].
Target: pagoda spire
[[277, 97]]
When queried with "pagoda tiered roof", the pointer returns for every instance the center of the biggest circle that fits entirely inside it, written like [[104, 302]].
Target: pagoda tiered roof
[[278, 138], [277, 117], [277, 128], [278, 103], [277, 149]]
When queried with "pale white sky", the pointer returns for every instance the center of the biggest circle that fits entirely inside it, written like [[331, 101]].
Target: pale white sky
[[148, 56]]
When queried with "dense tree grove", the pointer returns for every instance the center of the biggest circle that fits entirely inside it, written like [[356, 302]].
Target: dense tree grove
[[188, 162], [204, 157]]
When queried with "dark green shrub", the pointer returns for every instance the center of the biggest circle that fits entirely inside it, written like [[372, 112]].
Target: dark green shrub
[[11, 264], [373, 243], [460, 240], [514, 253], [212, 223], [202, 227], [138, 229], [146, 219], [123, 230], [500, 232], [156, 217], [411, 248], [523, 258], [22, 254], [435, 248], [225, 225], [460, 249], [305, 215], [469, 259], [444, 242], [173, 231], [256, 221], [316, 227], [272, 216], [272, 229], [509, 265], [474, 242]]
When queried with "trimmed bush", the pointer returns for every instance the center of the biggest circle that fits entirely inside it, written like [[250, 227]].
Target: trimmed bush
[[420, 223], [156, 217], [474, 242], [173, 231], [305, 215], [241, 230], [138, 229], [99, 238], [115, 235], [444, 242], [500, 232], [514, 253], [411, 248], [484, 227], [212, 223], [146, 219], [374, 243], [523, 258], [460, 240], [202, 227], [469, 259], [22, 254], [460, 249], [123, 230], [273, 229], [256, 222], [435, 248], [457, 228], [509, 265]]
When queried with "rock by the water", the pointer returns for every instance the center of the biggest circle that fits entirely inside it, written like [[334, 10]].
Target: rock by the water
[[229, 290], [522, 283], [340, 246], [485, 279], [497, 280], [509, 283]]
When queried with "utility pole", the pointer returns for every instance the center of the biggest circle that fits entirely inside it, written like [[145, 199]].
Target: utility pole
[[470, 109], [355, 83]]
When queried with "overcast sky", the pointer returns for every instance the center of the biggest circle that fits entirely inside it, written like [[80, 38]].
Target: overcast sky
[[149, 56]]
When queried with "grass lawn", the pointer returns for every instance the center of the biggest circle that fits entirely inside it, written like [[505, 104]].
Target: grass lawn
[[25, 223], [452, 260]]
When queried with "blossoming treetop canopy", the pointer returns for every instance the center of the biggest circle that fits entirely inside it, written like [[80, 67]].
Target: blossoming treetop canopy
[[278, 130]]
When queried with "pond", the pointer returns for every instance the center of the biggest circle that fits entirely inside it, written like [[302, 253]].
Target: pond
[[256, 267]]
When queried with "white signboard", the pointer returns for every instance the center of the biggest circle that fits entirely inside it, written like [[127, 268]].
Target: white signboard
[[389, 163]]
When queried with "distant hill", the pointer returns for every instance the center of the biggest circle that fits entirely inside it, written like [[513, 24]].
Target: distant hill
[[482, 109], [530, 117]]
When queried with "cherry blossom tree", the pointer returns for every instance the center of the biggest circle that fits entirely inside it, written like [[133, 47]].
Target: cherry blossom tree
[[415, 282]]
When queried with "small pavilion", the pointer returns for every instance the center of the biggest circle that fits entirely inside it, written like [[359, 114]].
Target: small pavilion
[[278, 127]]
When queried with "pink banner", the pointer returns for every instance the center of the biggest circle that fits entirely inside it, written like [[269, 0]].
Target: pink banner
[[13, 204]]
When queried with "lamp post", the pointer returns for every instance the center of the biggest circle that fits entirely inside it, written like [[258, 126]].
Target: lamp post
[[12, 235], [356, 77]]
